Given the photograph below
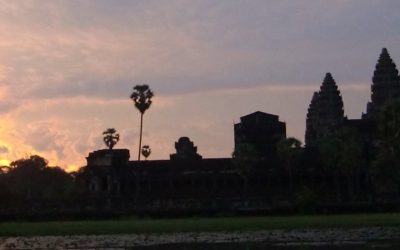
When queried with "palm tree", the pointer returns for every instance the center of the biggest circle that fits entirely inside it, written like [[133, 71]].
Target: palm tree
[[141, 96], [110, 137], [146, 151]]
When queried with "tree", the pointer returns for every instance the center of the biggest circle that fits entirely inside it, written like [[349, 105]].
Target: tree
[[141, 97], [342, 156], [351, 159], [330, 153], [146, 151], [32, 178], [245, 158], [384, 172], [110, 137], [389, 125], [289, 151]]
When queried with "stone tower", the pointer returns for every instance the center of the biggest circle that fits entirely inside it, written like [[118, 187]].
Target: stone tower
[[262, 130], [325, 113], [185, 150], [312, 121], [385, 83]]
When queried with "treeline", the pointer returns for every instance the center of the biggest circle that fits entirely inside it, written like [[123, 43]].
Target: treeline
[[30, 186]]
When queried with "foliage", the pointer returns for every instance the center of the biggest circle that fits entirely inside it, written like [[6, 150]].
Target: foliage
[[306, 200], [141, 96], [385, 175], [343, 151], [245, 158], [342, 157], [385, 170], [146, 151], [32, 178], [110, 137], [389, 120], [289, 151]]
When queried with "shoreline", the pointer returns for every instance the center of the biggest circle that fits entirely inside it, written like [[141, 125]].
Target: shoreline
[[291, 236]]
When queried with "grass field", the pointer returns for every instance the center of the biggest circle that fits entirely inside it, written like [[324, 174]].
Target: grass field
[[196, 224]]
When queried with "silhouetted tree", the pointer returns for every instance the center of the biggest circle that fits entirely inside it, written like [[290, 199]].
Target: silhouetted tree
[[110, 137], [384, 174], [146, 151], [141, 97], [341, 156], [351, 158], [289, 151], [245, 158], [32, 178], [385, 170], [329, 148], [389, 125]]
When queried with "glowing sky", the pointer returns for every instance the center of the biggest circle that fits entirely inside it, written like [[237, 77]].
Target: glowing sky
[[67, 68]]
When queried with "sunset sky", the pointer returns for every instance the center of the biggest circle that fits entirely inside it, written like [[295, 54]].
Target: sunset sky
[[67, 69]]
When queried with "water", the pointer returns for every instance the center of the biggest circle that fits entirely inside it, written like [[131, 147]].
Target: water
[[277, 246]]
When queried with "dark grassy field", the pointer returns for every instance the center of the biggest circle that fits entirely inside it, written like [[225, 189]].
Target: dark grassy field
[[133, 225]]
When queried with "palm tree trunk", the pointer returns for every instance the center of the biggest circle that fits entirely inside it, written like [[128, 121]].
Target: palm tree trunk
[[140, 137]]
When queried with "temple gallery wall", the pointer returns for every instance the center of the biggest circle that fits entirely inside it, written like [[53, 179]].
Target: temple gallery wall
[[339, 163], [346, 165]]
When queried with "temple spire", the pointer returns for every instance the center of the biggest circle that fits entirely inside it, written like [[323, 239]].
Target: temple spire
[[330, 100], [385, 72], [385, 83], [328, 80], [311, 120], [325, 113]]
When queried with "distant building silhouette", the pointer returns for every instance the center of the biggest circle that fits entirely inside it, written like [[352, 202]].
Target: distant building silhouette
[[385, 83], [262, 130], [188, 182], [347, 165], [108, 157], [325, 113], [185, 150]]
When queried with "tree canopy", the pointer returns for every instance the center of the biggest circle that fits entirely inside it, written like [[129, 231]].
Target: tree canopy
[[110, 137]]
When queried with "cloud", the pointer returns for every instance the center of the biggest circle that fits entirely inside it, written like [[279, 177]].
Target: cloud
[[67, 68], [102, 48], [3, 149]]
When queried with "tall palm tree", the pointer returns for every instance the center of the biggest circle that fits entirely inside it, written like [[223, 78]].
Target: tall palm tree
[[141, 97], [110, 137]]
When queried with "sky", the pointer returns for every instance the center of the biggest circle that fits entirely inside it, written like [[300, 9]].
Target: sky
[[67, 69]]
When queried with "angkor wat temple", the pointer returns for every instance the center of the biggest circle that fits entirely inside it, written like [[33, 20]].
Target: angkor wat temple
[[326, 113], [336, 166]]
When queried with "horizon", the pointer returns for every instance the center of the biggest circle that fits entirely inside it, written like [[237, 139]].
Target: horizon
[[68, 67]]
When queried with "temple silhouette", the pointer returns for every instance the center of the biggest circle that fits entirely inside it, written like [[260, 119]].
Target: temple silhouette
[[189, 182], [326, 113]]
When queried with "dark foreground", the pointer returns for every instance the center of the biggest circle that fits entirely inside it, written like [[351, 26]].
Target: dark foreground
[[335, 238], [386, 245], [282, 246]]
